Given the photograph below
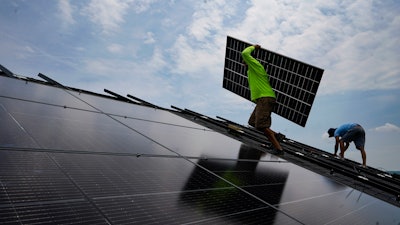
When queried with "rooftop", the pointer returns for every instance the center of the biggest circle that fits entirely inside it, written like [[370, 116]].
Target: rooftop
[[73, 156]]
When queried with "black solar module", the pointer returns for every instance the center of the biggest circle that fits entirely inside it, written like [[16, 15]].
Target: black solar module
[[295, 83], [70, 156]]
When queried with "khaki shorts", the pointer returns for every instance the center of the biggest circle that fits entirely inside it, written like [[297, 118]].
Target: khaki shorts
[[356, 134], [261, 116]]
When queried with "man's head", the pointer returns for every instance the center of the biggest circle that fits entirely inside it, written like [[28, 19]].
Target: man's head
[[331, 132]]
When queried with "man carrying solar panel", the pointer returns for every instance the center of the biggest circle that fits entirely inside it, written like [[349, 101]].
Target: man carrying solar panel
[[263, 95], [347, 133]]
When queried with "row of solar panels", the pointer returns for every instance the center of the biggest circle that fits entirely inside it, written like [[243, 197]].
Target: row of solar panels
[[370, 180], [375, 182], [111, 159]]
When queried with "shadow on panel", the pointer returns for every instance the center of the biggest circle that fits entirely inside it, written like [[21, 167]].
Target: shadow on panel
[[241, 186]]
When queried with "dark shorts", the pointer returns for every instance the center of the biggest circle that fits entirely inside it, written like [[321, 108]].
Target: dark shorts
[[261, 116], [356, 134]]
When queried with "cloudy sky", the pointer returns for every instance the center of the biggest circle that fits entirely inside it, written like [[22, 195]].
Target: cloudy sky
[[172, 53]]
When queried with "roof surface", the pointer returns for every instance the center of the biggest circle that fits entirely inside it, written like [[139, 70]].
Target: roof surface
[[72, 156]]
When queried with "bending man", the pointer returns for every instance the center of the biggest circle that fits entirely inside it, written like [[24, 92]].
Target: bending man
[[347, 133]]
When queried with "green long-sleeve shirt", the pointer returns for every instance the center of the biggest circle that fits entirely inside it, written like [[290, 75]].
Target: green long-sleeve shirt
[[257, 76]]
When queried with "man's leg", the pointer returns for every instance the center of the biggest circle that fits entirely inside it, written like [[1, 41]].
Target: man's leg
[[271, 137], [356, 134], [252, 119], [363, 155], [360, 143], [343, 147], [262, 113]]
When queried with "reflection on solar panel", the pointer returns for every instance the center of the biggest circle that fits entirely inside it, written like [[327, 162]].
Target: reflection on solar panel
[[70, 156], [295, 83]]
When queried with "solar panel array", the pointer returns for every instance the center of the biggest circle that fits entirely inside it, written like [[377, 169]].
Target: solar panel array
[[295, 83], [73, 157]]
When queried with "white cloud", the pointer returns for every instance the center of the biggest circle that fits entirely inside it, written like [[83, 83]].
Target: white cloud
[[157, 62], [208, 18], [140, 6], [66, 11], [115, 48], [388, 127], [343, 39], [144, 79], [108, 14], [190, 60], [28, 49], [149, 38], [127, 69], [325, 136], [357, 58]]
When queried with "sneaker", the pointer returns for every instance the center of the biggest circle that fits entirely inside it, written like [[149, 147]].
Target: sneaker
[[280, 137], [269, 146], [277, 152]]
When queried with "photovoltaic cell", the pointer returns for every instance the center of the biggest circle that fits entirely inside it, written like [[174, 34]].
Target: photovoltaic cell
[[295, 83]]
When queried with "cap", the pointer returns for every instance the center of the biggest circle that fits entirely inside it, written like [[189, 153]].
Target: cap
[[331, 132]]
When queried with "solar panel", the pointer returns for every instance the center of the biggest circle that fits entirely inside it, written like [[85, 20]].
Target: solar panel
[[73, 157], [295, 83]]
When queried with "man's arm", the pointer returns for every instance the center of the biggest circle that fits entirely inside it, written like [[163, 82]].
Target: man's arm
[[336, 145], [252, 63], [246, 54]]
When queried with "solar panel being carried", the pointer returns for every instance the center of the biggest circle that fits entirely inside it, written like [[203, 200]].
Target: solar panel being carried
[[69, 156], [295, 83]]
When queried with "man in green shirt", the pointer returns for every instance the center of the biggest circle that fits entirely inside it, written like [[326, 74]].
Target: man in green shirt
[[263, 95]]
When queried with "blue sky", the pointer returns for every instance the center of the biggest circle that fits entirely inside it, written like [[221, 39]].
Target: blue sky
[[172, 53]]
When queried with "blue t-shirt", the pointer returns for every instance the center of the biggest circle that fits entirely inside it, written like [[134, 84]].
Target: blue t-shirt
[[342, 130]]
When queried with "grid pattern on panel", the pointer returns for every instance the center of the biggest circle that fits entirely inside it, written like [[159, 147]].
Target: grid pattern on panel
[[34, 191], [120, 190], [79, 212], [295, 83], [201, 206], [105, 179], [28, 177]]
